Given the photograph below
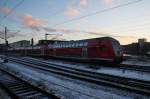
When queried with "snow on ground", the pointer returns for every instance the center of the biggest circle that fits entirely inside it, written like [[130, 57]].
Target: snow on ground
[[106, 70], [65, 88], [126, 73], [137, 60]]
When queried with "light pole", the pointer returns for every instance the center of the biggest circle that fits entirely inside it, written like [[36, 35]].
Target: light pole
[[6, 46]]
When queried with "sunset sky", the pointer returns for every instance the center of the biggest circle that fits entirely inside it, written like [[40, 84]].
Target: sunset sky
[[124, 20]]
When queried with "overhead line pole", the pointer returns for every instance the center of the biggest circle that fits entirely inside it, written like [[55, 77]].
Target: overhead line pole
[[6, 46]]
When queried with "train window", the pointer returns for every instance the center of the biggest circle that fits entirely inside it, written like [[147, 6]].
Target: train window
[[77, 44], [74, 44], [61, 45], [81, 44], [69, 44], [64, 45]]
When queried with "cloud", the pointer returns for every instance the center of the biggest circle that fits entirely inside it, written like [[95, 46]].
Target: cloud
[[32, 23], [108, 1], [72, 12], [83, 2], [5, 10]]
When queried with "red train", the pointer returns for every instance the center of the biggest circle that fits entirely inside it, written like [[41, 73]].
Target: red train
[[97, 49]]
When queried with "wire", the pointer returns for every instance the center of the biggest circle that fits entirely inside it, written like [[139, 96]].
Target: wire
[[18, 4], [101, 11]]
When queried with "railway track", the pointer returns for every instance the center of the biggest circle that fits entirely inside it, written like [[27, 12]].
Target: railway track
[[117, 66], [134, 67], [130, 84], [19, 89], [120, 66]]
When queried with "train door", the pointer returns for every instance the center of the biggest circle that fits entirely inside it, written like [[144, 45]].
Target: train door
[[92, 52], [84, 52]]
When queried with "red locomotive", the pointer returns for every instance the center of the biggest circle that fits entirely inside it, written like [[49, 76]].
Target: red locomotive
[[97, 49]]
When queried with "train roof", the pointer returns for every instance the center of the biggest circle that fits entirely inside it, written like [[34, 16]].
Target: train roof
[[99, 38]]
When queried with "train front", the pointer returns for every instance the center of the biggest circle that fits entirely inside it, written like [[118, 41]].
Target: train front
[[118, 53]]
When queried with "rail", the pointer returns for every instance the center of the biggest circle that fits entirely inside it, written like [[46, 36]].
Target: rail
[[130, 84]]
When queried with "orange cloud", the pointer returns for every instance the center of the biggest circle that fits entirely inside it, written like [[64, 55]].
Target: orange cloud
[[33, 23], [5, 10], [83, 2], [72, 12], [108, 1]]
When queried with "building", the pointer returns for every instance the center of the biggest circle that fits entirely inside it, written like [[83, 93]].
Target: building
[[141, 47], [22, 43]]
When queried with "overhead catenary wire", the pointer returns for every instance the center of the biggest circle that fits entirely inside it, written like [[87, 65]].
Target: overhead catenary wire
[[97, 12], [17, 5]]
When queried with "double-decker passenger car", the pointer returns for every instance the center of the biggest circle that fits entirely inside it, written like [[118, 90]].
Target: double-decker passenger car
[[97, 49]]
